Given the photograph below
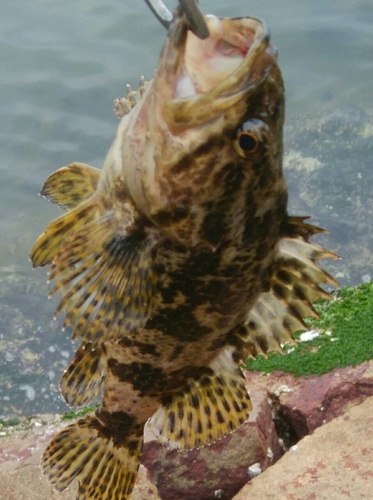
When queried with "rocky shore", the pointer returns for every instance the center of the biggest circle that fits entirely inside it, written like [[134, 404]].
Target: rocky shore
[[307, 438]]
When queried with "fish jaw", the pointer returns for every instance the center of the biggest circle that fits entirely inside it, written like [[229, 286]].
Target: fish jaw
[[216, 73], [173, 146]]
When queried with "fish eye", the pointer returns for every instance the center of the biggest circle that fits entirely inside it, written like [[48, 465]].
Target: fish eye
[[251, 137], [248, 142]]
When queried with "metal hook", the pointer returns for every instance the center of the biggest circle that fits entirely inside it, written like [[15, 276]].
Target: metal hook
[[160, 11], [192, 10], [196, 18]]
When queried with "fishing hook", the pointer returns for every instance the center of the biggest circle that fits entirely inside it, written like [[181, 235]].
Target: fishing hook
[[192, 10]]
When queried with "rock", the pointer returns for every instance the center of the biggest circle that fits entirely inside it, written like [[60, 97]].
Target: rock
[[20, 472], [218, 470], [335, 462], [215, 471], [144, 488], [304, 404]]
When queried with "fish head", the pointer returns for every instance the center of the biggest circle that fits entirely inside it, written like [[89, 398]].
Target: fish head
[[210, 123]]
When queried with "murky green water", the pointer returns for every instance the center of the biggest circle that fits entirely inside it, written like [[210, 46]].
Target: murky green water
[[63, 63]]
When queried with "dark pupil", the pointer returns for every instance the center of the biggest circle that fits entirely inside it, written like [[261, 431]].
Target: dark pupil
[[247, 142]]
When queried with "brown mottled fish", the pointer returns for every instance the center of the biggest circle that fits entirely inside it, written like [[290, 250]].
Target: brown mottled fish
[[178, 259]]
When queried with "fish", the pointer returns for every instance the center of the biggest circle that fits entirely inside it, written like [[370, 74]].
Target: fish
[[177, 260]]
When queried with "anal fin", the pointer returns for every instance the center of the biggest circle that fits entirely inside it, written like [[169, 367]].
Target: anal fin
[[105, 463], [207, 409]]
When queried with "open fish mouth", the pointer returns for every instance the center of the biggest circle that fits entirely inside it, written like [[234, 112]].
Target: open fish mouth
[[202, 78], [210, 61]]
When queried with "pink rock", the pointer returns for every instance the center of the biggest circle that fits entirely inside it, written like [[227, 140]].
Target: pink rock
[[333, 463], [220, 469], [308, 402]]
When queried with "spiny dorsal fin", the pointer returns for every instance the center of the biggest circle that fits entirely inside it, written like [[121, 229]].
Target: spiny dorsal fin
[[206, 410], [293, 287], [104, 275], [105, 465], [123, 105], [69, 186], [84, 379]]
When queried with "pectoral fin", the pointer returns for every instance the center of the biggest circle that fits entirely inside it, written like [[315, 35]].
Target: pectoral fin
[[103, 272], [208, 408], [106, 283]]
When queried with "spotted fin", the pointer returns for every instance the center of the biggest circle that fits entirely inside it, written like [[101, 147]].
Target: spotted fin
[[104, 274], [293, 287], [69, 186], [207, 409], [84, 379], [105, 462]]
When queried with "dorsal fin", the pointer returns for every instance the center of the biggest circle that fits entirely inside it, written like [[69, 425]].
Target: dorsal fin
[[206, 410], [291, 291]]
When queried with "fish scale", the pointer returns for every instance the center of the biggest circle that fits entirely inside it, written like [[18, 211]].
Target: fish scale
[[178, 259]]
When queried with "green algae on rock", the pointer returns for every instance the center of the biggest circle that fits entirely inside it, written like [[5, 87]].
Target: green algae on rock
[[345, 336]]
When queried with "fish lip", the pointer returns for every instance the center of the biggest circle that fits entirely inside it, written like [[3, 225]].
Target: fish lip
[[244, 79]]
